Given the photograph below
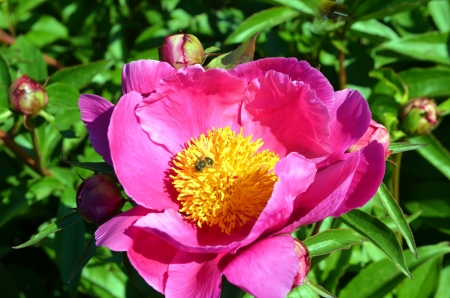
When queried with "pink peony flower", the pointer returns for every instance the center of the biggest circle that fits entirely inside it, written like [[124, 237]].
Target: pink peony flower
[[224, 165], [375, 132]]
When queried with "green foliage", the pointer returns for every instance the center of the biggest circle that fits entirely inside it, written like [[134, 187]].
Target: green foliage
[[389, 50]]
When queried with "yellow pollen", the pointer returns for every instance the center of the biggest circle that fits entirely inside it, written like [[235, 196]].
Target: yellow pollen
[[223, 179]]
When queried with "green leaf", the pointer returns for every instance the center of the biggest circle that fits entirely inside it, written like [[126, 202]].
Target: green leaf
[[243, 53], [335, 266], [137, 280], [62, 95], [78, 76], [430, 46], [5, 113], [100, 167], [330, 241], [373, 27], [46, 30], [434, 153], [25, 6], [440, 12], [380, 9], [5, 81], [396, 213], [54, 227], [261, 21], [30, 60], [303, 291], [444, 107], [392, 80], [379, 278], [318, 289], [443, 290], [379, 234], [424, 281], [87, 254], [390, 223], [305, 6], [404, 146], [428, 82]]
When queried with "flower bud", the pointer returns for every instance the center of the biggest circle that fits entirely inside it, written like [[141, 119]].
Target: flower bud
[[419, 116], [181, 50], [27, 96], [375, 132], [304, 262], [99, 199]]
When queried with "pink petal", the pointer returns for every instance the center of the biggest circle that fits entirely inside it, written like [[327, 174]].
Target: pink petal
[[287, 116], [366, 180], [112, 233], [190, 103], [151, 256], [350, 119], [171, 226], [266, 268], [142, 76], [297, 70], [295, 174], [141, 166], [325, 195], [194, 275], [96, 114]]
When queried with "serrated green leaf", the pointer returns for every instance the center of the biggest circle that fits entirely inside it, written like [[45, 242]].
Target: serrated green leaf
[[379, 278], [404, 146], [331, 240], [396, 213], [100, 167], [318, 289], [261, 21], [54, 227], [243, 53], [435, 153], [137, 280], [79, 75], [87, 254], [379, 234], [30, 60]]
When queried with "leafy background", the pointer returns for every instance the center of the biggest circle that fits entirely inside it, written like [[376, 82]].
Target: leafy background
[[389, 50]]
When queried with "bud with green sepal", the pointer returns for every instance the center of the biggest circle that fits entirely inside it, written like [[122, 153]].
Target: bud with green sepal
[[181, 50], [27, 96], [419, 116]]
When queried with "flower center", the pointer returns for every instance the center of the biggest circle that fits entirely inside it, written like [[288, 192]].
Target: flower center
[[223, 179]]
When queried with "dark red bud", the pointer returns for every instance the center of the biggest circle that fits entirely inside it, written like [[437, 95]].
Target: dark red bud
[[419, 116], [99, 199], [181, 50], [304, 262], [27, 96]]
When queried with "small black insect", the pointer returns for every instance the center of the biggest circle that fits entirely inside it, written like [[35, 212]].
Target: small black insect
[[202, 163]]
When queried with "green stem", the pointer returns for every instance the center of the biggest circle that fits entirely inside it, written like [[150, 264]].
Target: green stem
[[30, 125]]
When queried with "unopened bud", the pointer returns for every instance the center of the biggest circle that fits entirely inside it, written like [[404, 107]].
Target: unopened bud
[[181, 50], [375, 132], [99, 199], [27, 96], [419, 116], [304, 262]]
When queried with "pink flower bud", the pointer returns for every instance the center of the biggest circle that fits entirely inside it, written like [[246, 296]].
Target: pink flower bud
[[27, 96], [99, 199], [375, 132], [304, 263], [419, 116], [181, 50]]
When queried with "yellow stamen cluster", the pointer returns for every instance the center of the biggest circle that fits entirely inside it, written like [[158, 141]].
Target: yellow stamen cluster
[[232, 187]]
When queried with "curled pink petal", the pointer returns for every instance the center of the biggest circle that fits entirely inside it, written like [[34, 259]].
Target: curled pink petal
[[375, 132], [142, 76], [112, 233], [267, 268], [194, 275], [140, 165], [96, 114]]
